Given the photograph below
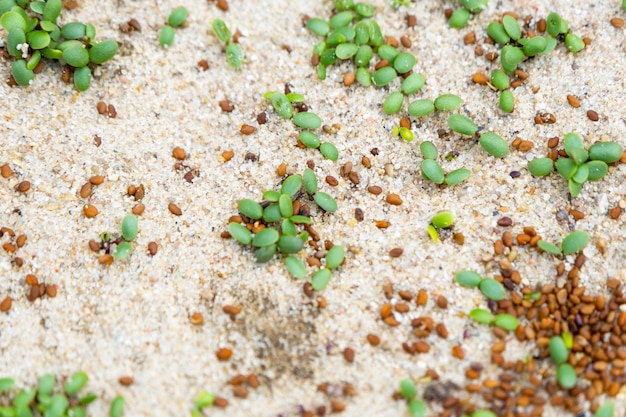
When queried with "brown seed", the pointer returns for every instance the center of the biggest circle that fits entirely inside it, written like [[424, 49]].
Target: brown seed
[[332, 181], [253, 381], [391, 321], [459, 238], [381, 224], [411, 20], [492, 56], [522, 75], [240, 391], [382, 64], [282, 169], [138, 209], [405, 122], [112, 111], [366, 162], [394, 199], [348, 354], [231, 309], [349, 78], [577, 214], [469, 38], [97, 140], [421, 346], [228, 155], [541, 25], [337, 406], [441, 330], [526, 145], [6, 171], [405, 41], [224, 354], [222, 5], [204, 64], [20, 241], [498, 247], [90, 210], [179, 153], [105, 259], [5, 305], [354, 177], [101, 107], [196, 318], [480, 78], [85, 190], [593, 115], [615, 212], [94, 246], [358, 214], [126, 380], [374, 189], [553, 142], [220, 402], [23, 186], [505, 221], [442, 302], [422, 298], [96, 179], [373, 340], [153, 248], [458, 352], [617, 22], [385, 311], [573, 101], [246, 129], [226, 105], [396, 252], [516, 142], [174, 209]]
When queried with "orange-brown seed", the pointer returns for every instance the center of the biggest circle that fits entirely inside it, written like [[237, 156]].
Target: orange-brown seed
[[224, 354], [196, 318], [228, 155], [90, 210], [179, 153], [394, 199], [174, 209], [6, 304]]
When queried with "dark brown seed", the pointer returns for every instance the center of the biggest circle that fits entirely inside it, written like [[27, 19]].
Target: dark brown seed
[[97, 140], [592, 115], [553, 142], [23, 186], [307, 288], [491, 56], [374, 189], [174, 209], [396, 252], [94, 246], [405, 41], [226, 105], [33, 293], [5, 305], [39, 68], [573, 101], [101, 107], [261, 118], [544, 118], [541, 25], [354, 177], [112, 112], [348, 354], [505, 221], [441, 330], [617, 22], [332, 181], [411, 20], [126, 380], [442, 302], [382, 64], [153, 248], [469, 38], [358, 214], [448, 13], [240, 391], [246, 129]]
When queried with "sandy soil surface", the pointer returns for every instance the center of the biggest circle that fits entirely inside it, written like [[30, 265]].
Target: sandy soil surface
[[132, 318]]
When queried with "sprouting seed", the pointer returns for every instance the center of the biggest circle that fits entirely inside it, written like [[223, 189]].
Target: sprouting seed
[[406, 134], [433, 171], [417, 408], [480, 315], [597, 170], [285, 205], [376, 35], [291, 185], [363, 56], [307, 120], [572, 141], [265, 237], [335, 256], [607, 152], [459, 18], [540, 166], [566, 376], [388, 52], [346, 50], [290, 244], [553, 24], [433, 233], [393, 102], [582, 174], [82, 78], [329, 151], [204, 399], [361, 33], [413, 83], [499, 79], [506, 321], [408, 389], [574, 187], [6, 384], [321, 72], [265, 253], [579, 155], [511, 27], [117, 407], [15, 38], [496, 32], [250, 208], [295, 267], [574, 43], [404, 62], [320, 279], [457, 176], [38, 39], [221, 30], [467, 278], [46, 385], [568, 339], [234, 55], [605, 410], [462, 124], [177, 17], [494, 144], [13, 20], [166, 37], [428, 150], [310, 181], [558, 350], [364, 10], [492, 289], [448, 102], [548, 247], [75, 383], [130, 227], [363, 77], [574, 242], [271, 195], [103, 51], [384, 76], [240, 233], [22, 75], [511, 57], [535, 46], [421, 107], [566, 167], [341, 19], [309, 139], [474, 6], [288, 227], [318, 26], [442, 220], [298, 219], [507, 101], [325, 201], [281, 104], [76, 56]]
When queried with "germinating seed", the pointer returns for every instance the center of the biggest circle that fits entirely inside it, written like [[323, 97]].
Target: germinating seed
[[432, 232], [579, 155], [566, 376], [483, 413], [607, 152], [240, 233], [507, 101], [76, 56], [535, 46], [265, 253], [103, 51], [413, 83], [574, 242], [271, 213], [285, 205], [335, 256], [408, 389], [457, 176], [566, 167], [363, 56], [421, 107], [250, 208], [506, 322], [540, 166], [307, 120], [496, 32], [290, 244], [117, 407], [572, 141], [499, 79], [364, 77], [346, 50], [271, 195], [318, 26], [428, 150], [417, 408], [433, 171], [462, 124], [597, 170], [320, 279], [281, 104], [393, 102], [494, 144], [511, 27], [442, 219], [376, 35], [492, 289], [481, 315], [341, 19], [364, 10], [234, 55], [406, 134], [404, 62], [177, 17], [309, 139], [558, 350], [467, 278], [166, 37], [574, 43], [82, 78], [22, 75], [361, 33], [448, 102], [76, 382], [605, 410], [459, 18], [388, 53], [295, 267], [548, 247], [291, 185], [475, 6], [325, 201], [221, 30], [130, 227], [574, 187], [310, 181], [38, 39], [301, 219], [265, 237], [288, 227], [384, 76], [581, 175], [329, 151]]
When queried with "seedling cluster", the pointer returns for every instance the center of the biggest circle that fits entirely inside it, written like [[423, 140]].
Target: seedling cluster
[[120, 246], [175, 19], [34, 33], [460, 16], [234, 53]]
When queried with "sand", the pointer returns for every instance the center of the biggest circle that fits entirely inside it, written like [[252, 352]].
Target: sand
[[132, 318]]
